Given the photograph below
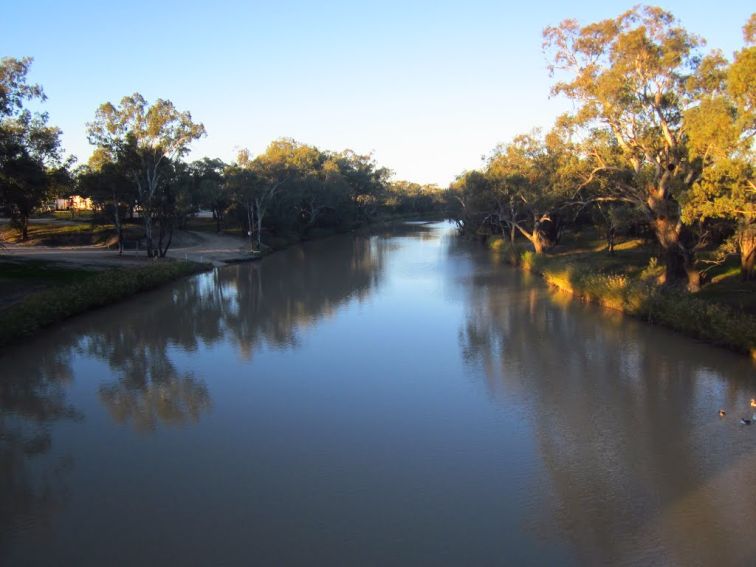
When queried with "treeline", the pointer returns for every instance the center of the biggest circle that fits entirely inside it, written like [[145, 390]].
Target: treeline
[[660, 144], [138, 170]]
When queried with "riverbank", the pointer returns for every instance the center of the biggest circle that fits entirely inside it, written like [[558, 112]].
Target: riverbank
[[42, 284], [627, 282], [77, 291]]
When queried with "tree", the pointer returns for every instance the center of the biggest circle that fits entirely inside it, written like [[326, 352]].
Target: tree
[[14, 90], [291, 184], [631, 76], [212, 187], [471, 192], [538, 174], [153, 135], [256, 183], [319, 191], [721, 130], [522, 189], [407, 197], [31, 164], [244, 185], [366, 181], [105, 179]]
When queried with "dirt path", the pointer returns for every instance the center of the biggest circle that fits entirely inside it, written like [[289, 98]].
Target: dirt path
[[196, 246], [219, 249]]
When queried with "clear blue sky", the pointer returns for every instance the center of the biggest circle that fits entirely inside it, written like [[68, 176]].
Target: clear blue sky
[[428, 86]]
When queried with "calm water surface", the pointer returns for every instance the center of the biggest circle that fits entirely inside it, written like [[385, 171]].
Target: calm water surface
[[389, 399]]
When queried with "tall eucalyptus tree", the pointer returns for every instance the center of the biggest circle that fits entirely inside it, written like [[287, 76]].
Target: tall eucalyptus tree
[[153, 135]]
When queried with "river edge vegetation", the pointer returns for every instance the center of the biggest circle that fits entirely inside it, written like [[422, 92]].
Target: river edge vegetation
[[659, 151], [78, 291], [656, 160], [721, 316], [143, 191]]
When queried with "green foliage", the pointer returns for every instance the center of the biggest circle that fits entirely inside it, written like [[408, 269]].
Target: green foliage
[[211, 188], [660, 143], [632, 79], [147, 142], [29, 271], [720, 132], [14, 89], [31, 165], [293, 190], [405, 198], [652, 270]]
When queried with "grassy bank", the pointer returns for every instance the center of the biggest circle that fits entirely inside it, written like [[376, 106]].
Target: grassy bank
[[721, 314], [89, 291]]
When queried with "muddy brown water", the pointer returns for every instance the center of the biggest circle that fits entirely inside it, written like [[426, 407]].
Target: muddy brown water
[[395, 398]]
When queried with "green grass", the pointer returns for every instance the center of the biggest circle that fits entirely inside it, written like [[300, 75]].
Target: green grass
[[19, 278], [44, 308], [36, 270]]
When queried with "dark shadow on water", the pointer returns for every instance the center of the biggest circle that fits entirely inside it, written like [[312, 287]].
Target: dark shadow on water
[[32, 401]]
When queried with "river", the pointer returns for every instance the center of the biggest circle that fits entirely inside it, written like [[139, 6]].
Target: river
[[400, 397]]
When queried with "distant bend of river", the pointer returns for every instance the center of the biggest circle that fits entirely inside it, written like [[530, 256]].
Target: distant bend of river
[[386, 399]]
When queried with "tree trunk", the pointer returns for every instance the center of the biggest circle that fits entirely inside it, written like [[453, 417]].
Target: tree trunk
[[542, 239], [610, 239], [24, 228], [249, 221], [148, 234], [118, 224], [162, 251], [747, 247], [218, 220], [537, 241], [679, 269], [536, 237], [259, 229], [260, 212]]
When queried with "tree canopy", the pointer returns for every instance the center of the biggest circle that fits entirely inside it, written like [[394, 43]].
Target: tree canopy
[[32, 167], [146, 137]]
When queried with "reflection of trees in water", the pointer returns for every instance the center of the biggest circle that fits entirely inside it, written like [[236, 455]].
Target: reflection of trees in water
[[618, 423], [32, 400], [249, 304], [168, 399], [270, 301], [148, 389]]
